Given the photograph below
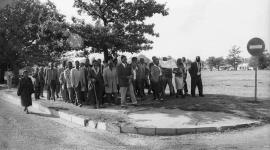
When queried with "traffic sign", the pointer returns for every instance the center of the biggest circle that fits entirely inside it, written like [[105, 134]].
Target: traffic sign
[[255, 46]]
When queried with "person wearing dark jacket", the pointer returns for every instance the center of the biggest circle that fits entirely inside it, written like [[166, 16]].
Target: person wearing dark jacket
[[195, 74], [25, 90], [125, 82], [96, 77]]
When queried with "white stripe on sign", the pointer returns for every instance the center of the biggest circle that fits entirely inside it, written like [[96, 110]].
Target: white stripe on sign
[[255, 46]]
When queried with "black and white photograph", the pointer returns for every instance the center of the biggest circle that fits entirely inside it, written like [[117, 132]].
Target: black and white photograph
[[134, 74]]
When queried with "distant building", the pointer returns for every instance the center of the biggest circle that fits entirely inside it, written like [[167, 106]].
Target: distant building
[[244, 66]]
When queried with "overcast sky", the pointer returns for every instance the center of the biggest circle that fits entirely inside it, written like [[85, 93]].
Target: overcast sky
[[203, 27]]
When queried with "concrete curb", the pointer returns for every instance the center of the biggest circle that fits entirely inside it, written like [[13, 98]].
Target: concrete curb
[[111, 127]]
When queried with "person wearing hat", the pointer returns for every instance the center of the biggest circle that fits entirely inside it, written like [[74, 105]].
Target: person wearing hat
[[25, 90]]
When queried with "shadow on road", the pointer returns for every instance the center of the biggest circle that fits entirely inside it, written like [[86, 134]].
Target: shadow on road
[[42, 115]]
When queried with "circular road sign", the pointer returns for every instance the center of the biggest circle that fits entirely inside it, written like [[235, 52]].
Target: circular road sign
[[255, 46]]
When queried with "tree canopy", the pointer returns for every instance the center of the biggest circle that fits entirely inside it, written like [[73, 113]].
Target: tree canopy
[[215, 62], [31, 32], [234, 58], [119, 25]]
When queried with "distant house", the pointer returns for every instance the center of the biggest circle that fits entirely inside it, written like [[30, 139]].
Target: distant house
[[244, 66]]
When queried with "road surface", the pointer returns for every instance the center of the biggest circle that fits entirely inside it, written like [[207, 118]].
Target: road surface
[[40, 131]]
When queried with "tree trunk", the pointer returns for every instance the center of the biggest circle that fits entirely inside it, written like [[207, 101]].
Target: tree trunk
[[106, 54]]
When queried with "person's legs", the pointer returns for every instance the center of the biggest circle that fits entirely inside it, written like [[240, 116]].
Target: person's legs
[[185, 87], [161, 92], [193, 86], [41, 90], [48, 91], [71, 94], [200, 86], [78, 94], [52, 88], [123, 92], [132, 95], [155, 89], [172, 92]]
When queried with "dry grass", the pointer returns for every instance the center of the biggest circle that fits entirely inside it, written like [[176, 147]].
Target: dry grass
[[227, 91]]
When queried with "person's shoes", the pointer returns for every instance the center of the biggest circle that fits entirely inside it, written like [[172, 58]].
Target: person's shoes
[[186, 94], [134, 104], [123, 106], [201, 95], [80, 105], [27, 112]]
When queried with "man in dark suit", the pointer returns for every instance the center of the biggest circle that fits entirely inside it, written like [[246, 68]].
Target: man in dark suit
[[195, 74], [125, 81]]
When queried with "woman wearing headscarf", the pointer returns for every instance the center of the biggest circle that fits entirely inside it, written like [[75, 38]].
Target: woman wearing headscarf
[[25, 90], [179, 77]]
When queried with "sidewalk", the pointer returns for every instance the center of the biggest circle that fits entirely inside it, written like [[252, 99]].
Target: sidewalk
[[139, 120]]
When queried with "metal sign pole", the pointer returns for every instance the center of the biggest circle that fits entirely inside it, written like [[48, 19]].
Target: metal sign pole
[[256, 83]]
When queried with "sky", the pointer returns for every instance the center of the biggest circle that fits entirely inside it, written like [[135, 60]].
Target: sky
[[202, 27]]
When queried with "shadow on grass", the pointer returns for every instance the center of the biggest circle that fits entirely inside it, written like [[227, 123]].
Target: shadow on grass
[[240, 106]]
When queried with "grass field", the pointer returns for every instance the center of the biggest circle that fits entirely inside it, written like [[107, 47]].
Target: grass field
[[226, 91], [236, 83]]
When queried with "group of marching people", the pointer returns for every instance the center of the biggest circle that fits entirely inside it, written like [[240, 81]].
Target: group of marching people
[[99, 83]]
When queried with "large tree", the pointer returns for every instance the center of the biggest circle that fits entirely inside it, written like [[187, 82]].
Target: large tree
[[234, 58], [30, 33], [214, 62], [119, 25]]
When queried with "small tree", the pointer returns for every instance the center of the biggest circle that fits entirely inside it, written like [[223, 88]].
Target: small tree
[[262, 61], [119, 25], [234, 58], [210, 61]]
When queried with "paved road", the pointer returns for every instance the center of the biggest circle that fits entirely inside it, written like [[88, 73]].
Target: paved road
[[40, 131]]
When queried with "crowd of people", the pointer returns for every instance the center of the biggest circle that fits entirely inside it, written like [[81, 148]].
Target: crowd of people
[[98, 83]]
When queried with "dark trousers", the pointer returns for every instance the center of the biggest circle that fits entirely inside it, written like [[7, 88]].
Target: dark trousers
[[51, 90], [98, 92], [185, 86], [140, 86], [37, 92], [157, 89], [111, 98], [64, 92], [71, 94], [78, 93], [57, 89], [168, 81], [196, 82], [41, 90]]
